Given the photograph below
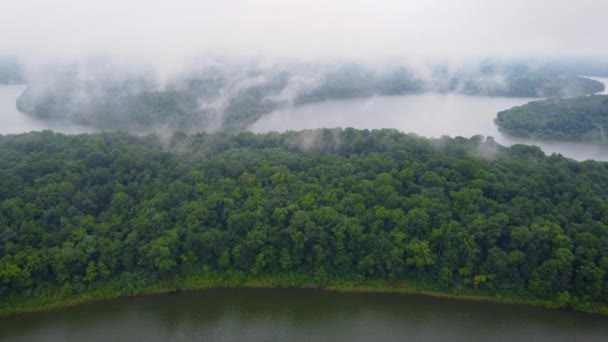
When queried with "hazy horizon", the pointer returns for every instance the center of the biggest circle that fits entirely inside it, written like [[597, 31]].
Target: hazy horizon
[[169, 35]]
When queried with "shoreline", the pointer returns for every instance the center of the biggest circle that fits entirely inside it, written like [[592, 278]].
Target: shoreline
[[19, 305]]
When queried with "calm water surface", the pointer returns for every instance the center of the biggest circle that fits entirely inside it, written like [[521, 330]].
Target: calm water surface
[[301, 315], [429, 115]]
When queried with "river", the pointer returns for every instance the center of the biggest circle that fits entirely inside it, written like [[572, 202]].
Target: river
[[301, 315], [429, 115]]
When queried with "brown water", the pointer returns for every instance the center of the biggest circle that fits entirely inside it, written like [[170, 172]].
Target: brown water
[[301, 315]]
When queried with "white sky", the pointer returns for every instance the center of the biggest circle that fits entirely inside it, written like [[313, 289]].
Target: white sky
[[170, 30]]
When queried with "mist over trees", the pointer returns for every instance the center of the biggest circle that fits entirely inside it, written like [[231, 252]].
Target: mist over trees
[[232, 95]]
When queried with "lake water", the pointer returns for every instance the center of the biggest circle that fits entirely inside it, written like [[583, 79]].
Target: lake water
[[301, 315], [429, 115]]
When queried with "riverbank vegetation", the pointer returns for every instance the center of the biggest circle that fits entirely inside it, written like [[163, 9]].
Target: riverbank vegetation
[[579, 118], [99, 216], [209, 279]]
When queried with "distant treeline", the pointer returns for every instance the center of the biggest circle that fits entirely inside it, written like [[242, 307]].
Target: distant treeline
[[88, 211], [580, 118], [233, 96]]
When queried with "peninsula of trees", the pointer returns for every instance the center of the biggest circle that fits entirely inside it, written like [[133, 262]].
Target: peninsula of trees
[[117, 213], [580, 118]]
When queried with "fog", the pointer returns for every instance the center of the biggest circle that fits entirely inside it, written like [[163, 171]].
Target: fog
[[429, 114], [14, 122], [166, 40], [169, 33], [91, 61]]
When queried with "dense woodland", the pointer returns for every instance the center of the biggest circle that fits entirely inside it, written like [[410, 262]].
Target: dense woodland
[[580, 118], [232, 96], [459, 214]]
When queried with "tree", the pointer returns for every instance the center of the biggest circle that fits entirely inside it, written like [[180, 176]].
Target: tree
[[419, 254]]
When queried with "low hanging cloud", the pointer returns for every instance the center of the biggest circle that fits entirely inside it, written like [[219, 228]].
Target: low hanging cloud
[[169, 32]]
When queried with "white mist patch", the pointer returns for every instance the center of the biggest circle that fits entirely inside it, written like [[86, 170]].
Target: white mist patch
[[215, 107], [316, 140], [298, 84], [14, 122], [487, 149]]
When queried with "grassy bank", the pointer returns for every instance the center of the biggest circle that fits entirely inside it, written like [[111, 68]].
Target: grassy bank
[[58, 298]]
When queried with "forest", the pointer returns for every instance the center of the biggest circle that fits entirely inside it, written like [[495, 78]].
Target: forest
[[580, 118], [119, 212]]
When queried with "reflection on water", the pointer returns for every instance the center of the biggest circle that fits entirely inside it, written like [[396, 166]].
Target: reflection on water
[[429, 115], [301, 315]]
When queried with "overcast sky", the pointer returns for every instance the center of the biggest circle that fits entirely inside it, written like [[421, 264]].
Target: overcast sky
[[170, 30]]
